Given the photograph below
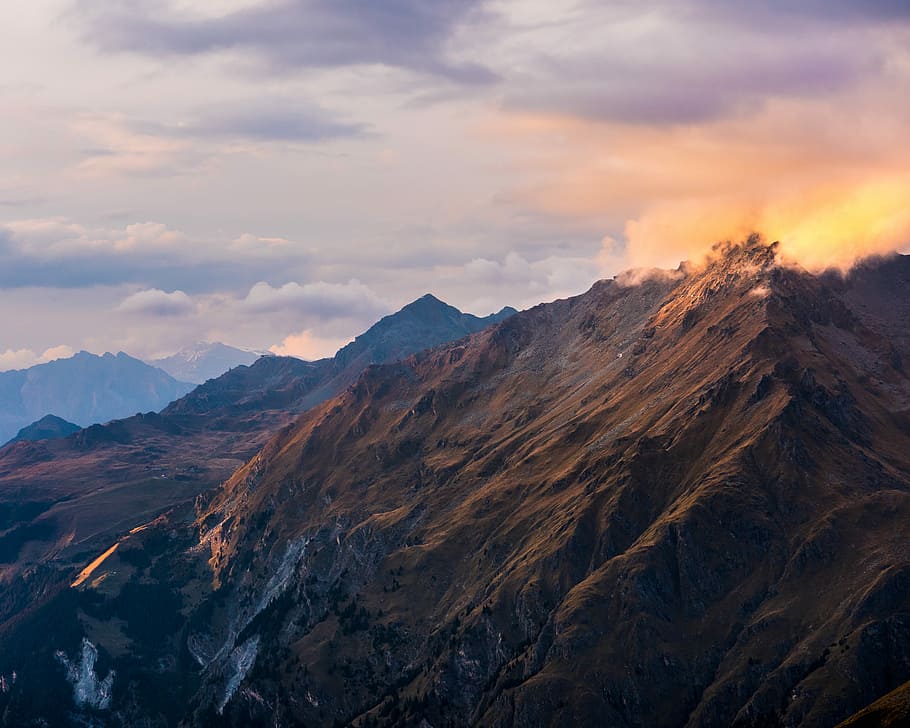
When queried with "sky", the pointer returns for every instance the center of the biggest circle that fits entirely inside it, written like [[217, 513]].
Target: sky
[[281, 173]]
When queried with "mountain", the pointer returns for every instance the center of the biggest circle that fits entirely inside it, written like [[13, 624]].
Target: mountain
[[290, 384], [84, 389], [890, 711], [421, 324], [684, 502], [49, 427], [67, 496], [204, 361]]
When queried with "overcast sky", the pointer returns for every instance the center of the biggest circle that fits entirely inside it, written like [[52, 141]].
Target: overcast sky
[[281, 173]]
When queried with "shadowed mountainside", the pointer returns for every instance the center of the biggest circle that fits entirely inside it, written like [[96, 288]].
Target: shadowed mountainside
[[684, 502], [890, 711], [49, 427]]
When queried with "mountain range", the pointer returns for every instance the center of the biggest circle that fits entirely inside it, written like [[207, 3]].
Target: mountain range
[[66, 496], [205, 360], [679, 499], [84, 389]]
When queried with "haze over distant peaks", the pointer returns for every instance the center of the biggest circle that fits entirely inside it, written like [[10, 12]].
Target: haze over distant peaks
[[205, 360], [84, 389]]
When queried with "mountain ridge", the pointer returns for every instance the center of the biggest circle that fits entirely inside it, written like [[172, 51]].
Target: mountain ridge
[[683, 502], [49, 427], [205, 360], [785, 303]]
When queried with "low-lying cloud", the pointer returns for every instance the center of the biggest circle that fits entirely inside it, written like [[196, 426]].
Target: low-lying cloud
[[307, 345], [25, 358], [155, 302], [317, 300], [60, 253]]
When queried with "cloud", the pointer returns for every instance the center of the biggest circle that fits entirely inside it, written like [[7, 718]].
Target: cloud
[[25, 358], [307, 345], [824, 174], [250, 242], [484, 285], [552, 274], [289, 35], [688, 63], [58, 252], [113, 146], [823, 12], [271, 120], [263, 118], [58, 237], [17, 359], [318, 300], [155, 302], [61, 351]]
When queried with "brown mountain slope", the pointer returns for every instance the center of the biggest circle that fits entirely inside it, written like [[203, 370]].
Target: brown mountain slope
[[61, 500], [890, 711], [685, 502]]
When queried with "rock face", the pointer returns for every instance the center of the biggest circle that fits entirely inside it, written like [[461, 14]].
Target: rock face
[[684, 502], [88, 690]]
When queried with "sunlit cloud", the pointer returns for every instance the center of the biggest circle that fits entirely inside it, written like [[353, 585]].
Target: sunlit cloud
[[831, 190], [307, 345], [25, 358]]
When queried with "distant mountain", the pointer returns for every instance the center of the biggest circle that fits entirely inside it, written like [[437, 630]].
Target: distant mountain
[[49, 427], [421, 324], [84, 389], [205, 360]]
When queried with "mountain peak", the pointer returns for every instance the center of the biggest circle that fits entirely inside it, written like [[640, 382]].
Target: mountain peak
[[49, 427], [423, 323], [430, 298], [427, 303], [752, 253], [205, 360]]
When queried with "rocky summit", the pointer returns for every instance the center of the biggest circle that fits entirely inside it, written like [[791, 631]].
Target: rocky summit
[[680, 499]]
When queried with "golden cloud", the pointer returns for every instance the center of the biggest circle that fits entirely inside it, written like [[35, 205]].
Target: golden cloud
[[830, 180]]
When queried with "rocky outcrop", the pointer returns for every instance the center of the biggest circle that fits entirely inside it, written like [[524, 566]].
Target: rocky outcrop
[[88, 690]]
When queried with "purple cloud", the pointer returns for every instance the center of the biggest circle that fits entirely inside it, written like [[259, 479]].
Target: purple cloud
[[290, 35]]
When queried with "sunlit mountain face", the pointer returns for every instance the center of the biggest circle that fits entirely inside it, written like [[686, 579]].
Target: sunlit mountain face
[[481, 363]]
